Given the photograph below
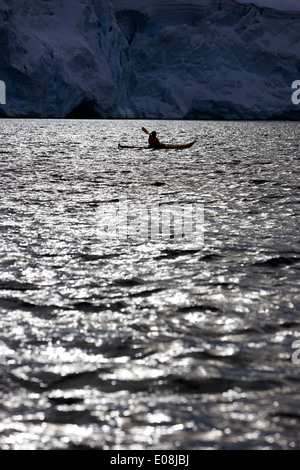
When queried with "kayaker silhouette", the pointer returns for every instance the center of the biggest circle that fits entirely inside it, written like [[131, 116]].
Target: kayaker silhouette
[[154, 142]]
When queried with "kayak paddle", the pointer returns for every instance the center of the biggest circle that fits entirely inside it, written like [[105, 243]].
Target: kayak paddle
[[145, 130]]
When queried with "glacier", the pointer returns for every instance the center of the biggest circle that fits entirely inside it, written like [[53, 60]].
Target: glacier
[[162, 59], [62, 57]]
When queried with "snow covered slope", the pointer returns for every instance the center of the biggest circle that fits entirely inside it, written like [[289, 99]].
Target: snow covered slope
[[226, 59]]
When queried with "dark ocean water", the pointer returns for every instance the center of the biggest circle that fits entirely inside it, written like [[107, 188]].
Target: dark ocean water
[[112, 343]]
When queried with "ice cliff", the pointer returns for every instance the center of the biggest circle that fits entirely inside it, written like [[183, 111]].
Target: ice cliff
[[63, 56], [227, 59]]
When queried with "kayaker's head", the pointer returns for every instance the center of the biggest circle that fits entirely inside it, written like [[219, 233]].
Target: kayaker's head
[[153, 134]]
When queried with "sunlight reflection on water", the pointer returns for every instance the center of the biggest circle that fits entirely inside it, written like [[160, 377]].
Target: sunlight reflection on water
[[137, 344]]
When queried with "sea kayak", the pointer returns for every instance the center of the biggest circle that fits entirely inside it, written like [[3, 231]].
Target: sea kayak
[[167, 147]]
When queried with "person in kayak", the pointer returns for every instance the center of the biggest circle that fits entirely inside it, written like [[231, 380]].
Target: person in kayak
[[154, 142]]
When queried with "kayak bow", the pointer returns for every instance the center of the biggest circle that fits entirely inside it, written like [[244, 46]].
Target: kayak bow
[[131, 147]]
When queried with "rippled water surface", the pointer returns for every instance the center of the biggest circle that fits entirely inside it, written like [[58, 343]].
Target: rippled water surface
[[109, 343]]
